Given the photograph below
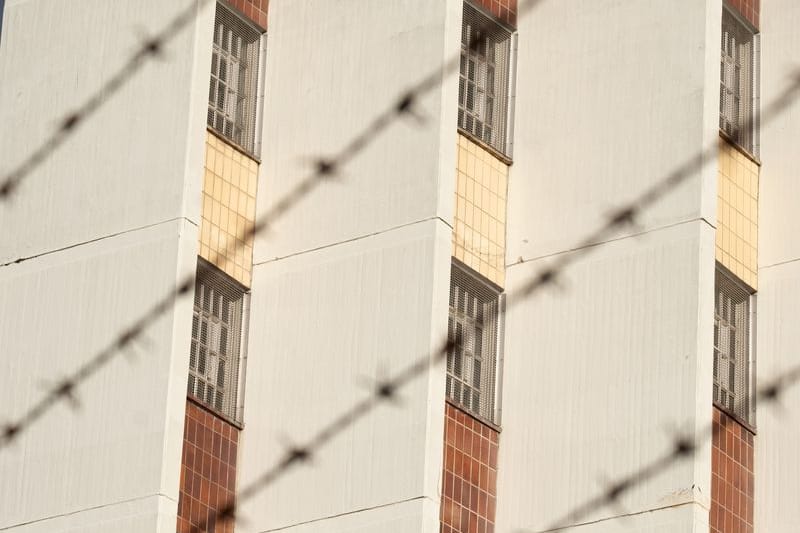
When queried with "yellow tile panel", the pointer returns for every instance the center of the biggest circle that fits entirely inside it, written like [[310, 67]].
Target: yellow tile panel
[[737, 214], [228, 209], [480, 201]]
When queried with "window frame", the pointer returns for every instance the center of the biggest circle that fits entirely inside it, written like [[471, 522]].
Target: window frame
[[257, 84], [232, 408], [748, 420], [748, 140], [479, 284], [506, 94]]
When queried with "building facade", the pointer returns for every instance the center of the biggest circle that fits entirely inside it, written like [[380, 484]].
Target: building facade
[[522, 128]]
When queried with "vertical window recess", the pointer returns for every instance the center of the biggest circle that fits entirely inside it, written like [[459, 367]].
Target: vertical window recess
[[233, 92], [219, 325], [734, 364], [739, 83], [474, 329], [484, 80]]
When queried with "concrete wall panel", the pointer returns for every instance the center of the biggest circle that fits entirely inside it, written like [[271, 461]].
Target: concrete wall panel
[[351, 284], [611, 97], [778, 337], [118, 443], [600, 373], [105, 227], [138, 159], [359, 312], [358, 58]]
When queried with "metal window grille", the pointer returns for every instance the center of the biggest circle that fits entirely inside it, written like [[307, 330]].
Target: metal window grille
[[733, 364], [233, 91], [474, 329], [738, 88], [483, 89], [218, 333]]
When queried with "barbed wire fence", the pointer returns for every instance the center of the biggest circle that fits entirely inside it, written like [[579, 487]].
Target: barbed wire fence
[[389, 389], [386, 391], [323, 169]]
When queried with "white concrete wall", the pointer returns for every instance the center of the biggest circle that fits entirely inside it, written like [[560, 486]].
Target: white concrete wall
[[599, 374], [777, 465], [94, 237], [351, 285]]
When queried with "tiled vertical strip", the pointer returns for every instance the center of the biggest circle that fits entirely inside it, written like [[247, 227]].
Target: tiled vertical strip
[[208, 469], [228, 209], [469, 474], [504, 10], [479, 239], [732, 485], [255, 10], [228, 204], [469, 488], [737, 214], [749, 9]]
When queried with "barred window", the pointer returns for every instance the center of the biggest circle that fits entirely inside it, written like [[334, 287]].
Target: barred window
[[738, 88], [483, 89], [474, 330], [218, 333], [733, 363], [233, 92]]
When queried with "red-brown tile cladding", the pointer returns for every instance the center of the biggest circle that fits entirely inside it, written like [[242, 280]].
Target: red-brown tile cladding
[[731, 476], [469, 474], [503, 10], [749, 9], [208, 469], [255, 10]]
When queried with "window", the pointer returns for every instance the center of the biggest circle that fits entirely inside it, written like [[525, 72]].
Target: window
[[738, 89], [233, 92], [483, 89], [733, 362], [474, 327], [218, 340]]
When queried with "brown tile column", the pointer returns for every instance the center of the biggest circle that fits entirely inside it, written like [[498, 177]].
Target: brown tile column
[[504, 10], [255, 10], [732, 486], [208, 469], [749, 9], [469, 474]]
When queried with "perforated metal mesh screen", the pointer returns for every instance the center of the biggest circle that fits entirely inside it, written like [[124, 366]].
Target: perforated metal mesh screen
[[474, 328], [738, 88], [733, 383], [218, 327], [233, 92], [483, 87]]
